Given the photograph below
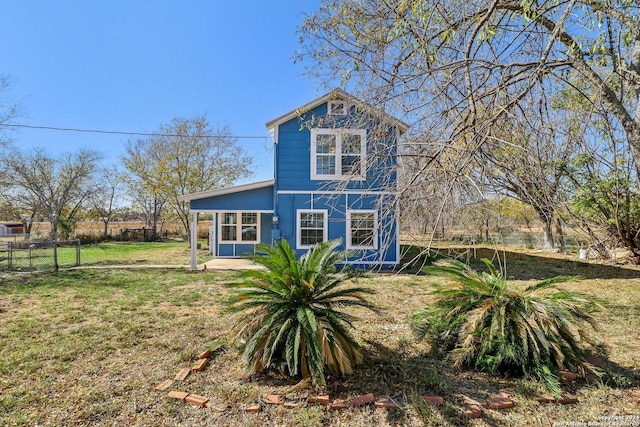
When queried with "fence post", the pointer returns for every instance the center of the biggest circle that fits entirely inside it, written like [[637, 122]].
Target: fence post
[[77, 252], [10, 252]]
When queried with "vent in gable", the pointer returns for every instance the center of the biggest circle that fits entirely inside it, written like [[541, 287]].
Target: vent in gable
[[338, 108]]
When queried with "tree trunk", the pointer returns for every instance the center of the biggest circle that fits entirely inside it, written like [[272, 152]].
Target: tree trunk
[[486, 229], [560, 233], [156, 215], [547, 221], [632, 128], [548, 244], [185, 218], [54, 241]]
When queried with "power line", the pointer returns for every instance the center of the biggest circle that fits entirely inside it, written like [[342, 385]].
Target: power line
[[117, 132]]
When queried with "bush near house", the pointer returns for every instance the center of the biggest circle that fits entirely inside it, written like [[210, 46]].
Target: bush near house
[[291, 312], [482, 323]]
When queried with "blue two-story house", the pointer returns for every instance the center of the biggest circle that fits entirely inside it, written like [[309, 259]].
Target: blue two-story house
[[334, 177]]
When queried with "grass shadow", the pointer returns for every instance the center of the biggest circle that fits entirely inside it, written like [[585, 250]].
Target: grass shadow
[[408, 376], [388, 371], [519, 266]]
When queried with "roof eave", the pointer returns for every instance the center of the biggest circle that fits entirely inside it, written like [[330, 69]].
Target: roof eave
[[336, 93], [227, 190]]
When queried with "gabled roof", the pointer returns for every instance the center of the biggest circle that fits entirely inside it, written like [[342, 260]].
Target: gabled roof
[[336, 93], [227, 190]]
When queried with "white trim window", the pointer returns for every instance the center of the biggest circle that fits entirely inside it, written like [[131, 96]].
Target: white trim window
[[338, 153], [312, 227], [239, 227], [362, 230]]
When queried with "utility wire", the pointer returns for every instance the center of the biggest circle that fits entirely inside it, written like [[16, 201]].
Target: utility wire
[[116, 132]]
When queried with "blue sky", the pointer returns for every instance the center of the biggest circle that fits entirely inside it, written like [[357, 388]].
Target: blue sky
[[133, 65]]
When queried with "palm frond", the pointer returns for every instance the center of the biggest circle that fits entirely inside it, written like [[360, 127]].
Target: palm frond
[[488, 326], [289, 313]]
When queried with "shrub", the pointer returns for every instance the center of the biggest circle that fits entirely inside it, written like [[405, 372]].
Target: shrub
[[483, 324], [290, 312]]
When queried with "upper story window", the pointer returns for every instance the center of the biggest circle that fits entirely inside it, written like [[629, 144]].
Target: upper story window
[[338, 153]]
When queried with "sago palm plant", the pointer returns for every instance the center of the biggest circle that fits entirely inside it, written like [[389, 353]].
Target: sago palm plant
[[290, 312], [485, 325]]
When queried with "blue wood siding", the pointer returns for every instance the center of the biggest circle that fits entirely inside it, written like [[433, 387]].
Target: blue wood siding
[[293, 157], [265, 228], [251, 200], [235, 249], [294, 190], [293, 174], [337, 207]]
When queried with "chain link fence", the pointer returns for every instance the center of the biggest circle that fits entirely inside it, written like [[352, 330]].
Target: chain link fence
[[38, 255]]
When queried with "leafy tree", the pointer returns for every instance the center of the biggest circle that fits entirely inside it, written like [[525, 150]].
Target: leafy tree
[[52, 185], [603, 176], [8, 108], [289, 313], [516, 212], [66, 226], [484, 324], [8, 111], [525, 158], [457, 70], [185, 156], [608, 196], [8, 211], [151, 205], [108, 190]]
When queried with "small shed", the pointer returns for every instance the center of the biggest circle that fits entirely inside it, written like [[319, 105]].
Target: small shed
[[12, 229]]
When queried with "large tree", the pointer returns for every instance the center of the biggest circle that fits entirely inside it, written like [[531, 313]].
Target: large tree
[[462, 67], [108, 185], [50, 185], [9, 108], [526, 158], [145, 200], [186, 156]]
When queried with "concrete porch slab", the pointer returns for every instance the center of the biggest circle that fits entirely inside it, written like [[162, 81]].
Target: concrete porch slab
[[235, 264]]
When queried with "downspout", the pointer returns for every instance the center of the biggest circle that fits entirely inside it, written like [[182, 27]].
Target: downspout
[[396, 200], [275, 230]]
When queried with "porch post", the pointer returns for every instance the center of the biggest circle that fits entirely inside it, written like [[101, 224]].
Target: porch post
[[194, 241]]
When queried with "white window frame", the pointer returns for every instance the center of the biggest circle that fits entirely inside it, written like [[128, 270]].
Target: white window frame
[[239, 225], [325, 226], [350, 244], [338, 155], [332, 109]]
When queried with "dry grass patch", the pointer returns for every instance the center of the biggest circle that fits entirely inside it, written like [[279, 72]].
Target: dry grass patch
[[88, 348]]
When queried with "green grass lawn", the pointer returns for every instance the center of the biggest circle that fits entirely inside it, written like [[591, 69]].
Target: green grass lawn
[[87, 347], [168, 252]]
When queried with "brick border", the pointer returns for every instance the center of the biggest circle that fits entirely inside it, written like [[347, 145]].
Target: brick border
[[470, 407]]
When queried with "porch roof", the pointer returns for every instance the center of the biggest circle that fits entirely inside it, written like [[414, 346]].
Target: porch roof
[[255, 196]]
